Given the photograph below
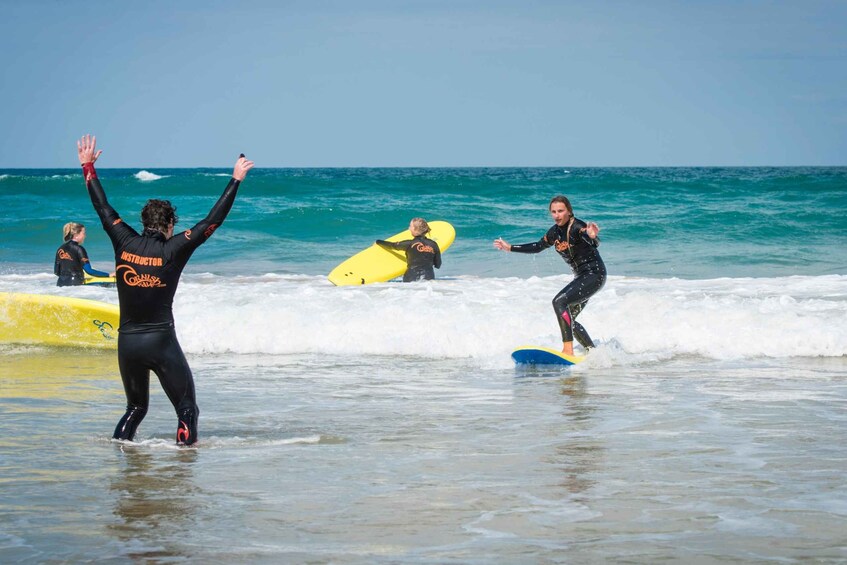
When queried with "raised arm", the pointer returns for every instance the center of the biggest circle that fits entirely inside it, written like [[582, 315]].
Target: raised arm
[[204, 229], [222, 207], [88, 154]]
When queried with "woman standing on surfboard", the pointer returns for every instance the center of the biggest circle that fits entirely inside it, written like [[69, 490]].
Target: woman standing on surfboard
[[149, 267], [422, 254], [71, 258], [576, 241]]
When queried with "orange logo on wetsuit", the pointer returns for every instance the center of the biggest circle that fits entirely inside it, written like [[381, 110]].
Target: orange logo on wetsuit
[[559, 244], [187, 234], [64, 255], [132, 278], [210, 230], [562, 245], [422, 248]]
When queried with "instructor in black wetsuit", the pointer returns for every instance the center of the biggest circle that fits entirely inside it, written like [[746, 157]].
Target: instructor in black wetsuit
[[422, 253], [72, 262], [148, 270], [576, 241]]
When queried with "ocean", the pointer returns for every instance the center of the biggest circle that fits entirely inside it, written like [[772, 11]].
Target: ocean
[[388, 424]]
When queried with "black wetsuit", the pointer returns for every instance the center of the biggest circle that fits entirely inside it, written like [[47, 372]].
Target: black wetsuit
[[422, 254], [148, 269], [71, 263], [580, 252]]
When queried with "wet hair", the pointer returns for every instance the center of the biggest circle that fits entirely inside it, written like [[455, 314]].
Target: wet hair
[[564, 200], [158, 215], [71, 229], [418, 226]]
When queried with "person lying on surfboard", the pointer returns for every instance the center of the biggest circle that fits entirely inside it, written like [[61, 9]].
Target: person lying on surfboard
[[71, 258], [422, 254], [576, 241], [149, 266]]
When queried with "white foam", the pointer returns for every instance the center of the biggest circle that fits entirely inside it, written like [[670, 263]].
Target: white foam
[[634, 320], [147, 176], [480, 318]]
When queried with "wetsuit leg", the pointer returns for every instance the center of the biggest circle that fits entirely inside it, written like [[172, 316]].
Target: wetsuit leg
[[135, 374], [571, 300], [67, 280], [159, 351], [414, 274], [177, 381], [579, 332]]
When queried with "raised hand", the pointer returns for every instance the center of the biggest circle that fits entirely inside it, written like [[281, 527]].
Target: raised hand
[[592, 229], [241, 168], [87, 149]]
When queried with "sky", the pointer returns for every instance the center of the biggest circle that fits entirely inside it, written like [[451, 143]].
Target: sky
[[396, 83]]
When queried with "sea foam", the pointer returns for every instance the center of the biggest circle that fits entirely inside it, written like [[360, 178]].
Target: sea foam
[[147, 176], [480, 318], [633, 320]]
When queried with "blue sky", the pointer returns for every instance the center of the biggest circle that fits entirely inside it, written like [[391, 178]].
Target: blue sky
[[425, 83]]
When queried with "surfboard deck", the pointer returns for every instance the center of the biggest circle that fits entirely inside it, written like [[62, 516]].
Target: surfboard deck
[[46, 319], [534, 355], [376, 264]]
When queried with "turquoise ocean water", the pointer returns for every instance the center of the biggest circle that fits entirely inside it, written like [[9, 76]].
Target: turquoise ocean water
[[387, 423], [659, 223]]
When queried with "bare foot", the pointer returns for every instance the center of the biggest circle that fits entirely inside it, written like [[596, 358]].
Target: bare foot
[[567, 348]]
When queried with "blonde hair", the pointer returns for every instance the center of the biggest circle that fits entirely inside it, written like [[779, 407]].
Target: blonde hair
[[71, 229], [418, 226]]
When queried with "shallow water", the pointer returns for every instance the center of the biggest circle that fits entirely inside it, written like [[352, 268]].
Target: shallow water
[[387, 459]]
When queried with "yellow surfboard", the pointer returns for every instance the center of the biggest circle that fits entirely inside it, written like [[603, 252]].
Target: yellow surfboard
[[376, 264], [99, 280], [46, 319]]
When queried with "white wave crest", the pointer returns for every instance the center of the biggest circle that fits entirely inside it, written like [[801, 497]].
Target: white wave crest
[[147, 176], [487, 318], [633, 320]]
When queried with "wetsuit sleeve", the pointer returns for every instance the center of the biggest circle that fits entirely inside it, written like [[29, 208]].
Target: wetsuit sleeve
[[56, 263], [535, 247], [399, 245], [189, 240], [436, 261], [116, 229], [86, 266]]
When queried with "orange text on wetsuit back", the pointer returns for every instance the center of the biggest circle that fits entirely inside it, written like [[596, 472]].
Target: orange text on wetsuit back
[[139, 260]]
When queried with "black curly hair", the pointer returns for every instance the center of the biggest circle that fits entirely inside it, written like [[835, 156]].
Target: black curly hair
[[158, 215]]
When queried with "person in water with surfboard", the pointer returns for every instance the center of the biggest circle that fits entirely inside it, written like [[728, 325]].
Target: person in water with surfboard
[[71, 262], [422, 253], [149, 266], [576, 241]]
